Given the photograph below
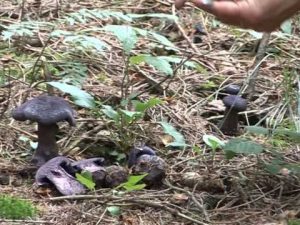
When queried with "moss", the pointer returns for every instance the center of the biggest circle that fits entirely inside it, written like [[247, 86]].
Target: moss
[[15, 208]]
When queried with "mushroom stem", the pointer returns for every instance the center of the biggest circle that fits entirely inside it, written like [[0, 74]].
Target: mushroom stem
[[229, 125], [47, 147]]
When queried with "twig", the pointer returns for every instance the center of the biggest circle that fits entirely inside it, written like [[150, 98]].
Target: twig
[[257, 63], [19, 130], [25, 221], [191, 44], [22, 10]]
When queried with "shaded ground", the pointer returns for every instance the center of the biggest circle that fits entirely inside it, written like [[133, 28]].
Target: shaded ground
[[198, 188]]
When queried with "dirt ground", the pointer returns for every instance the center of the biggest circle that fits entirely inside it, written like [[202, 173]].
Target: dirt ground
[[199, 188]]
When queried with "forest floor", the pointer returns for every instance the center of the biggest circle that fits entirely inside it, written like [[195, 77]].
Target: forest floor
[[201, 186]]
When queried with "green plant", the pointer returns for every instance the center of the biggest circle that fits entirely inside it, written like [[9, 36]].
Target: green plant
[[125, 122], [85, 178], [15, 208], [133, 183]]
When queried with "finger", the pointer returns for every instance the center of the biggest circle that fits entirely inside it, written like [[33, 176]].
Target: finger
[[219, 8], [179, 3]]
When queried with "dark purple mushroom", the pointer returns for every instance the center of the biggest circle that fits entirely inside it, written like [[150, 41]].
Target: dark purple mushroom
[[234, 104], [232, 89], [145, 161], [137, 152], [46, 111], [115, 175], [56, 172], [95, 167]]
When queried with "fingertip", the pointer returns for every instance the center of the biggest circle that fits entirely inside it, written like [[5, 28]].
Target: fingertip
[[179, 3]]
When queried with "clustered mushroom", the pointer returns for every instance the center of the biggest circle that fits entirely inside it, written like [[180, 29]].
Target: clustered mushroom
[[60, 171], [47, 111]]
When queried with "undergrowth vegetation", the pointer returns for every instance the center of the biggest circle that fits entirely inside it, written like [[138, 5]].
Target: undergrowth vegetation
[[133, 81]]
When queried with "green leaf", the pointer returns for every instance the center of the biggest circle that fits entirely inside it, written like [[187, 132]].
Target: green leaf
[[131, 116], [86, 15], [287, 26], [86, 42], [241, 146], [132, 183], [257, 130], [293, 222], [255, 34], [178, 137], [110, 112], [295, 136], [162, 40], [79, 96], [144, 106], [213, 141], [136, 187], [85, 178], [60, 33], [126, 35], [114, 210], [160, 64], [177, 60], [133, 180]]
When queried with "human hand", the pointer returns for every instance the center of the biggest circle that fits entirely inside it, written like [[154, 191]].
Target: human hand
[[260, 15]]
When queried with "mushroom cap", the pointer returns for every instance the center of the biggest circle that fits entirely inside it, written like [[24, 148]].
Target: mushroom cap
[[154, 166], [56, 172], [46, 110], [95, 167], [115, 175], [232, 89], [135, 153], [235, 102], [52, 164], [91, 165]]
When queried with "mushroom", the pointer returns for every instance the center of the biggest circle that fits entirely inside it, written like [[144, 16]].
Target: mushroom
[[57, 171], [137, 152], [115, 175], [145, 160], [94, 166], [46, 111], [232, 89], [234, 104]]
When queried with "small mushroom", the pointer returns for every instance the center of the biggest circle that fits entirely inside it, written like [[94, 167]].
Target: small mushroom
[[234, 104], [146, 161], [46, 111], [115, 175], [232, 89], [56, 172], [137, 152], [94, 166]]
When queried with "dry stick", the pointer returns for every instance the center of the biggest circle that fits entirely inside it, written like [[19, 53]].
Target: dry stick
[[19, 130], [25, 221], [201, 207], [191, 44], [6, 105], [37, 61], [259, 58], [22, 10]]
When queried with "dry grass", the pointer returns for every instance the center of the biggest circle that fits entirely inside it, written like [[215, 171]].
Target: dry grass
[[198, 190]]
